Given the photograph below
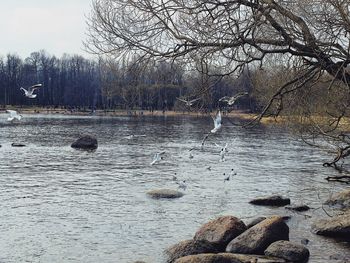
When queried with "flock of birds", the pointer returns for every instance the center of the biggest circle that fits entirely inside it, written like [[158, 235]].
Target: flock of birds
[[29, 93], [217, 126]]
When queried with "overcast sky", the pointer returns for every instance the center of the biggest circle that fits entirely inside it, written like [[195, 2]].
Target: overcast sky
[[58, 26]]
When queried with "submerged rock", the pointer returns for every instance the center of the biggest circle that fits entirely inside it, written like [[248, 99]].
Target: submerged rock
[[189, 247], [228, 258], [257, 238], [341, 199], [288, 250], [14, 144], [298, 208], [220, 231], [273, 200], [338, 226], [86, 142], [164, 193]]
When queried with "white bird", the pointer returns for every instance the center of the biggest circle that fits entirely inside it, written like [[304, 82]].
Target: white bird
[[231, 100], [188, 103], [29, 93], [233, 173], [190, 155], [217, 123], [217, 127], [223, 152], [13, 115], [182, 185], [157, 158]]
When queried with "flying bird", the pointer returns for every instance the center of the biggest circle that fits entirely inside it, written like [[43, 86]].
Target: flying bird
[[217, 123], [13, 115], [231, 100], [29, 93], [157, 158], [217, 127], [188, 103]]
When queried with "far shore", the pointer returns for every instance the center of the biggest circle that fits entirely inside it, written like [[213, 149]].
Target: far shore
[[238, 114], [122, 112]]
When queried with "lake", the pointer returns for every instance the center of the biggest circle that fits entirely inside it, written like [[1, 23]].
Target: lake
[[59, 204]]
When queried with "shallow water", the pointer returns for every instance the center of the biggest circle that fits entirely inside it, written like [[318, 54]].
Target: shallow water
[[59, 204]]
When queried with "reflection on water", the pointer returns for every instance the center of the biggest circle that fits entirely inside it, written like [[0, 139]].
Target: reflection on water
[[65, 205]]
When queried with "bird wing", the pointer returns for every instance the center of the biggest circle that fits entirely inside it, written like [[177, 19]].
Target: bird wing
[[194, 100], [37, 86], [182, 100], [34, 87], [217, 120], [25, 91], [225, 98], [240, 94], [12, 112]]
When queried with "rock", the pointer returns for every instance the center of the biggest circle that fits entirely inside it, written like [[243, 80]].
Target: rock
[[255, 221], [341, 199], [220, 231], [228, 258], [338, 226], [288, 250], [86, 142], [164, 193], [14, 144], [273, 200], [257, 238], [188, 247], [298, 208]]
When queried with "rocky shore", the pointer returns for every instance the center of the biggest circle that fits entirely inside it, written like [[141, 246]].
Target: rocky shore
[[227, 239]]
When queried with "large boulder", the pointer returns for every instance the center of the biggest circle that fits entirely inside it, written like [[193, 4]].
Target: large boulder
[[257, 238], [85, 142], [228, 258], [341, 199], [273, 200], [164, 193], [255, 221], [288, 250], [220, 231], [338, 226], [189, 247]]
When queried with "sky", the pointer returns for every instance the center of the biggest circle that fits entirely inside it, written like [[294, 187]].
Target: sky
[[57, 26]]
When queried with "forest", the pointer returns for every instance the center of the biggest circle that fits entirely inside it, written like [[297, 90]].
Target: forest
[[73, 81]]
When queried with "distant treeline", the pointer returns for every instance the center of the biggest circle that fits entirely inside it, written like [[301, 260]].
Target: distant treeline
[[74, 81]]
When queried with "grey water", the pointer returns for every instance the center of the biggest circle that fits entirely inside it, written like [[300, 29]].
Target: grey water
[[59, 204]]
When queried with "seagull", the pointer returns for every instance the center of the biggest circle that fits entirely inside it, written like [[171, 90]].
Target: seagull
[[227, 178], [223, 152], [188, 103], [231, 100], [217, 123], [174, 177], [157, 158], [190, 155], [233, 173], [13, 115], [217, 127], [182, 185], [29, 93]]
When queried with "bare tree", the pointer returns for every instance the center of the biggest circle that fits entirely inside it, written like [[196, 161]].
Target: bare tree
[[311, 37]]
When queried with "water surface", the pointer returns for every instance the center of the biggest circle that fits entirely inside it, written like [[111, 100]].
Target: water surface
[[64, 205]]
